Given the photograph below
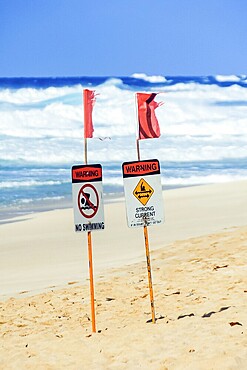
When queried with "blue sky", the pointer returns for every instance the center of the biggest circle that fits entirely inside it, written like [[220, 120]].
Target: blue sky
[[122, 37]]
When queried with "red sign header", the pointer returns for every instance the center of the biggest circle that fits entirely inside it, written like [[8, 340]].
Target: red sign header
[[141, 168], [87, 173]]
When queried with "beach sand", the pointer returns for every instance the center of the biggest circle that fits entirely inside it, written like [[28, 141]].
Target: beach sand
[[199, 266]]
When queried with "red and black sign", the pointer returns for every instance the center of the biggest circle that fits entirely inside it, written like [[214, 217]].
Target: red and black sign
[[88, 201], [86, 173], [141, 168]]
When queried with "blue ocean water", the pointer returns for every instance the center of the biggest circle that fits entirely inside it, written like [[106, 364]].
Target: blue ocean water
[[203, 125]]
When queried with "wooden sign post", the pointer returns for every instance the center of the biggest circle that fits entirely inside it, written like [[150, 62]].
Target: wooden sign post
[[90, 263], [145, 231], [144, 203], [90, 258], [142, 184], [151, 294], [88, 196]]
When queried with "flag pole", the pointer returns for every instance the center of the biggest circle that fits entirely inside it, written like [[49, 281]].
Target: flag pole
[[145, 230], [89, 239], [85, 150], [138, 149]]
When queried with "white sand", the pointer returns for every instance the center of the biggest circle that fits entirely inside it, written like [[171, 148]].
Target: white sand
[[43, 250], [199, 266]]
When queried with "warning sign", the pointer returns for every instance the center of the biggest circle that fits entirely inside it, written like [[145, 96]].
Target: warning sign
[[88, 197], [143, 193]]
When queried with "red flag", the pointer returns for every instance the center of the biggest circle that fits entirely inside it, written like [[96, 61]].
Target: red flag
[[148, 123], [89, 100]]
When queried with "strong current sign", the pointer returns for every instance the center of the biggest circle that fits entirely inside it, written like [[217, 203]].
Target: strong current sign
[[143, 193], [87, 194]]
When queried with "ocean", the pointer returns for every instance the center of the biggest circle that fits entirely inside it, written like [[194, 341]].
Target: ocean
[[203, 124]]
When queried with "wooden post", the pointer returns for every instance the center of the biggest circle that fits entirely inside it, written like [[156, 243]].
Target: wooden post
[[149, 273], [145, 230], [90, 260]]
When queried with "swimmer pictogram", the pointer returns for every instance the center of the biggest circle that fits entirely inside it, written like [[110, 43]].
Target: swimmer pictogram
[[88, 200], [143, 191]]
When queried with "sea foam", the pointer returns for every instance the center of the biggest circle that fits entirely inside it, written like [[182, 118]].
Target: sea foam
[[203, 131]]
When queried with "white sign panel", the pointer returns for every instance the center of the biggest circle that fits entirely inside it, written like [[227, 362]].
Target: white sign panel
[[87, 194], [143, 193]]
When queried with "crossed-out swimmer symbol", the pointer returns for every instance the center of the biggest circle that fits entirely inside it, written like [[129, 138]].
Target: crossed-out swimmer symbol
[[86, 205]]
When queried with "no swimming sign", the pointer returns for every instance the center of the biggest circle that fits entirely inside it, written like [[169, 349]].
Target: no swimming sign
[[88, 197], [143, 193]]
